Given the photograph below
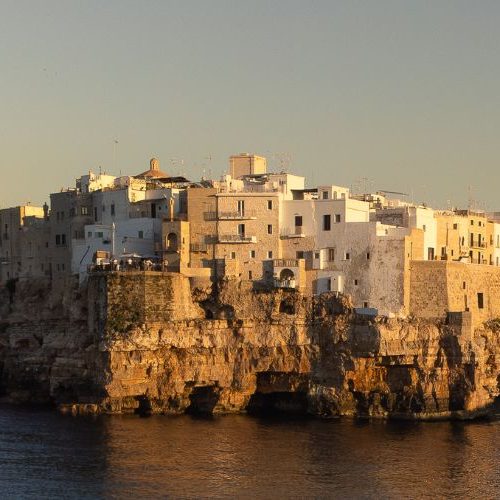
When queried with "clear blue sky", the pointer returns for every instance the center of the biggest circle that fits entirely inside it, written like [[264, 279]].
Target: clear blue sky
[[404, 94]]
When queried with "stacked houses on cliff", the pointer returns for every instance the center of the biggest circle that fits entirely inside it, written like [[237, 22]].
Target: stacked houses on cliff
[[266, 230]]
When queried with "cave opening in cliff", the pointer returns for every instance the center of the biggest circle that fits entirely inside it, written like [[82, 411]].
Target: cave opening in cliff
[[143, 406], [287, 306], [279, 392], [277, 403], [203, 400]]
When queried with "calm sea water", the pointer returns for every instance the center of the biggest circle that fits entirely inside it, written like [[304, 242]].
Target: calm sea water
[[45, 455]]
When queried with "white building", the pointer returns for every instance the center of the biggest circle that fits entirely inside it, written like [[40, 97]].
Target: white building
[[413, 217]]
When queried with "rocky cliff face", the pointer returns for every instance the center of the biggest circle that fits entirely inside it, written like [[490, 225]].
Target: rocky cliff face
[[147, 342]]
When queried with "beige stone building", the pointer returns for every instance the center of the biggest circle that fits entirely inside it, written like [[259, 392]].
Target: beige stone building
[[234, 233], [246, 164], [441, 287], [24, 242]]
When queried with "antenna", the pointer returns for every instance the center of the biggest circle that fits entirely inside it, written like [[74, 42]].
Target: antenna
[[177, 165], [209, 158], [392, 192], [115, 142], [471, 201], [283, 159], [363, 185]]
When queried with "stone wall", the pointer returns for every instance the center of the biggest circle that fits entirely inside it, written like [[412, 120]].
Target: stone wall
[[439, 287]]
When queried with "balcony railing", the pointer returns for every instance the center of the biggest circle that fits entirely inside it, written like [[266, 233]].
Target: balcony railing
[[286, 262], [286, 283], [292, 232], [198, 247], [237, 215], [479, 244], [234, 215], [237, 238]]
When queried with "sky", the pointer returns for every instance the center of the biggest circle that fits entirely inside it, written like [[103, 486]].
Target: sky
[[391, 95]]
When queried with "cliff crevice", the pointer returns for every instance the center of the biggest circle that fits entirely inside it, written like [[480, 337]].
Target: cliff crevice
[[151, 343]]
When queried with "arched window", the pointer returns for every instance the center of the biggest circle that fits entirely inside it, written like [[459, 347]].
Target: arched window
[[287, 274], [171, 242]]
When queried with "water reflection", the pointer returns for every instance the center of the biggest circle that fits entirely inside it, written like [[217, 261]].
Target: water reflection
[[43, 454]]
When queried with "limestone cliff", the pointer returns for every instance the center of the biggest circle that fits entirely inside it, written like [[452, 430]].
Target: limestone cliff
[[150, 342]]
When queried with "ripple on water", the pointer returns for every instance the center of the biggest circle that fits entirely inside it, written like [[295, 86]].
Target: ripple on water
[[44, 454]]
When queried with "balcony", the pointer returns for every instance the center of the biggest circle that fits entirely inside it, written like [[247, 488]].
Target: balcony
[[284, 283], [286, 262], [198, 247], [237, 238], [236, 215], [479, 244], [295, 232]]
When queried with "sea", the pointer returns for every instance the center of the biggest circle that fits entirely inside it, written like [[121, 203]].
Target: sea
[[44, 454]]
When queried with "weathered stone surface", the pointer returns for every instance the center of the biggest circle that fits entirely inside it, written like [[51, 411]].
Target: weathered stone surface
[[139, 342]]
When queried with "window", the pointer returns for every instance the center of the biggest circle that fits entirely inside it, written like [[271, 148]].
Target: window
[[480, 300], [71, 212], [241, 229], [63, 239], [269, 229], [269, 204], [241, 207], [89, 234], [331, 254], [455, 226], [95, 214], [424, 227], [58, 239], [355, 282], [367, 255], [463, 285], [299, 254], [337, 218], [298, 221], [347, 256], [325, 195], [233, 255], [250, 276], [365, 304], [113, 209], [327, 222], [471, 222], [84, 210], [140, 235], [100, 234], [104, 208], [252, 254], [270, 254], [316, 255]]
